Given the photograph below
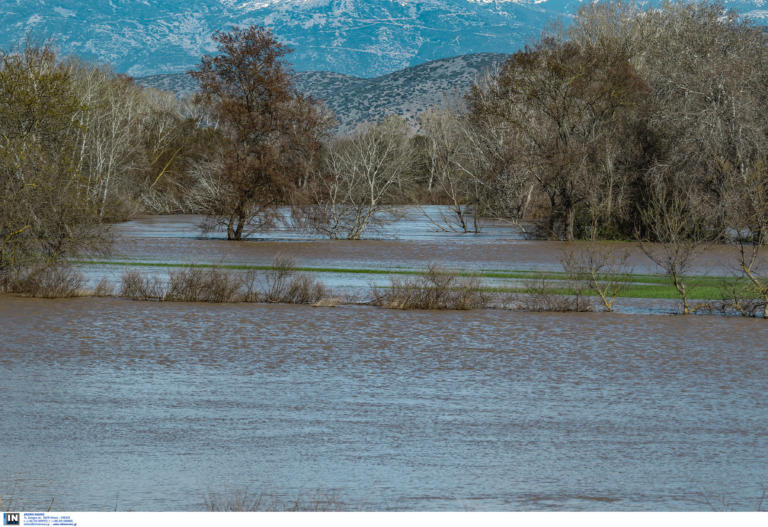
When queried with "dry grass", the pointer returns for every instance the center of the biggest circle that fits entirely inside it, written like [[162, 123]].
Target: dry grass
[[435, 289], [246, 502]]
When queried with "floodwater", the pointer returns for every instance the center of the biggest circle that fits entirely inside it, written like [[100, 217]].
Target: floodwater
[[112, 404], [146, 406], [419, 238], [412, 242]]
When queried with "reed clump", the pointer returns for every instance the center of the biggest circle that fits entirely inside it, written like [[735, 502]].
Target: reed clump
[[245, 501]]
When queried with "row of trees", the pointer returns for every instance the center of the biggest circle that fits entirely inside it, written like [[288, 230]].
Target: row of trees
[[81, 147], [631, 123], [627, 117]]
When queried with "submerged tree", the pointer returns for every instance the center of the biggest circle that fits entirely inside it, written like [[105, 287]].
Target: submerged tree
[[570, 112], [271, 131], [358, 176]]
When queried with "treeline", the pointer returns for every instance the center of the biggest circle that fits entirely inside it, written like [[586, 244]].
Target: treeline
[[80, 147], [632, 123]]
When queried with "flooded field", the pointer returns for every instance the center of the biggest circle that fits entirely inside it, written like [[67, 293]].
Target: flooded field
[[350, 268], [112, 404], [145, 406], [412, 243]]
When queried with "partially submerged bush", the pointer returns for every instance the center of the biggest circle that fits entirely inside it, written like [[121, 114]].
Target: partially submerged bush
[[280, 285], [539, 296], [198, 285], [435, 289], [47, 281], [739, 299], [103, 288], [138, 287], [597, 267]]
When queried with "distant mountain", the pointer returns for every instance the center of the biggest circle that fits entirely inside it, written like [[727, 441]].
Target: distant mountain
[[355, 100], [364, 38]]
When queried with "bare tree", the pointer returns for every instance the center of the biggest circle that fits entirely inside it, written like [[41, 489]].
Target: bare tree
[[358, 178], [569, 112], [678, 228], [45, 208], [747, 206], [599, 268], [707, 72], [456, 167]]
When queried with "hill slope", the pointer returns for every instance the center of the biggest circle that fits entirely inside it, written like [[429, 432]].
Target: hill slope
[[355, 100]]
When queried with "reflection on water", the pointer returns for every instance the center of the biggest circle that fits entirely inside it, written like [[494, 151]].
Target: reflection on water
[[153, 406], [412, 223], [411, 242]]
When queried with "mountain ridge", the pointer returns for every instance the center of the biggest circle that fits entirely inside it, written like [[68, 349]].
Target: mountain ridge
[[355, 37], [356, 100], [360, 38]]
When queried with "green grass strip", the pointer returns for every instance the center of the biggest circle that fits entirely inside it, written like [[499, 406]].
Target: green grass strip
[[512, 274], [638, 285], [633, 291], [242, 267]]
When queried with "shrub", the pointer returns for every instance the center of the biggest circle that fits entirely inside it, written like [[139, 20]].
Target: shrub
[[249, 291], [103, 288], [48, 281], [282, 284], [738, 299], [138, 287], [540, 297], [197, 285], [435, 289]]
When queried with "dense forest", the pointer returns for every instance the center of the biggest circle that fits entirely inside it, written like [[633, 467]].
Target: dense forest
[[631, 123]]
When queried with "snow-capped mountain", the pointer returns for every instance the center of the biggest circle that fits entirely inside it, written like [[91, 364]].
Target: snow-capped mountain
[[364, 38]]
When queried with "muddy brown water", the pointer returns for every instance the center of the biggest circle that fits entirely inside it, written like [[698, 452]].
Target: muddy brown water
[[108, 403], [412, 242]]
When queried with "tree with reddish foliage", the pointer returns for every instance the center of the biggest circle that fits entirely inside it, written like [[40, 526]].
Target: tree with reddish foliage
[[272, 134]]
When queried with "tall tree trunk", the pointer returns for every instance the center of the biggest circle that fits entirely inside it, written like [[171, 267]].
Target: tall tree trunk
[[570, 220], [240, 226], [231, 227]]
